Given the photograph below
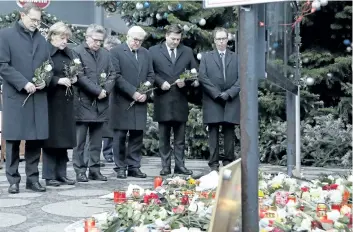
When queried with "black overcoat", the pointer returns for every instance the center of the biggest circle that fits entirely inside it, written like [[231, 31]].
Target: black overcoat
[[21, 53], [212, 82], [133, 73], [171, 105], [88, 107], [62, 125]]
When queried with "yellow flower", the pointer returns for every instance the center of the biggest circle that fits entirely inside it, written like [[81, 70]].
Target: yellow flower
[[261, 193], [275, 186], [192, 181]]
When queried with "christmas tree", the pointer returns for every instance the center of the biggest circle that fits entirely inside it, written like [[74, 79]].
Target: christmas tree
[[155, 16]]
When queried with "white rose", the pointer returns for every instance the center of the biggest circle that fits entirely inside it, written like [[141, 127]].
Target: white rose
[[350, 178], [193, 71], [48, 68], [147, 83], [103, 75], [162, 214], [193, 208], [77, 61]]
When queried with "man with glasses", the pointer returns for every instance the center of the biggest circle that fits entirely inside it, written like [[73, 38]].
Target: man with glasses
[[22, 50], [220, 103], [92, 103], [134, 64]]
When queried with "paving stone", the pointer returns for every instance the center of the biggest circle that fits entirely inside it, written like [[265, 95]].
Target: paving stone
[[49, 228], [84, 192], [79, 208], [4, 185], [107, 172], [11, 219], [92, 182], [25, 195], [5, 203], [3, 178]]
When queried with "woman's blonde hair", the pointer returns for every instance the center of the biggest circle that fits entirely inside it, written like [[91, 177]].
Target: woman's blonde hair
[[59, 28]]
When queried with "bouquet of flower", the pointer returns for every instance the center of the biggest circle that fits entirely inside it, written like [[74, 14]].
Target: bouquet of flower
[[72, 71], [102, 81], [144, 88], [189, 75], [40, 74]]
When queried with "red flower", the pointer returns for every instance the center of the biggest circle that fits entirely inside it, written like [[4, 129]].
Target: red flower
[[153, 197], [330, 187], [304, 189]]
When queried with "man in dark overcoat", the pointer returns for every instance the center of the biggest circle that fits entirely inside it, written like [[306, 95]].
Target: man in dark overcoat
[[22, 50], [134, 64], [92, 103], [171, 110], [221, 105]]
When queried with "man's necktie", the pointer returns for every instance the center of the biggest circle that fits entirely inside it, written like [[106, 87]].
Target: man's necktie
[[135, 54], [172, 55], [223, 64]]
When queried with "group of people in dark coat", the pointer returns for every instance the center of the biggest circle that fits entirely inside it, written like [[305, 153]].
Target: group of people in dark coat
[[55, 121]]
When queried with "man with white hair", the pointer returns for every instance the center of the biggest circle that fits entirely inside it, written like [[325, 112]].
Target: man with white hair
[[134, 64]]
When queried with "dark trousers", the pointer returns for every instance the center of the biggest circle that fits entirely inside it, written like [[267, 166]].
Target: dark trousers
[[54, 163], [32, 156], [213, 142], [130, 158], [94, 144], [108, 148], [165, 149]]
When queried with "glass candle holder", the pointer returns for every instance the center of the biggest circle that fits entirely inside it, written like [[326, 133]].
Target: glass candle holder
[[119, 196]]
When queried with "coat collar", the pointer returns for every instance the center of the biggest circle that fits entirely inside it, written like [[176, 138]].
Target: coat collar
[[216, 57], [54, 49], [20, 27], [164, 50]]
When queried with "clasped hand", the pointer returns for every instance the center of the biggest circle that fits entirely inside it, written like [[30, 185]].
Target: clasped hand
[[32, 88], [223, 96], [139, 97]]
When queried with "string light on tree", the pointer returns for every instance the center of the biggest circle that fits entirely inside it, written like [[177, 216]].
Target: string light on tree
[[179, 6], [202, 22], [349, 49], [310, 81], [158, 16], [170, 8], [146, 4]]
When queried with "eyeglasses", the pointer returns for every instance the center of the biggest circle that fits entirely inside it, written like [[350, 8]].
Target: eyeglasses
[[221, 39], [37, 21], [96, 40], [136, 40]]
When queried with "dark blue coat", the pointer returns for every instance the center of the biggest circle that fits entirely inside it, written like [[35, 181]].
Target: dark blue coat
[[20, 55]]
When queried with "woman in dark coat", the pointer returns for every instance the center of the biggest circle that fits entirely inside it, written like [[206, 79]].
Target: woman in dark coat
[[62, 131]]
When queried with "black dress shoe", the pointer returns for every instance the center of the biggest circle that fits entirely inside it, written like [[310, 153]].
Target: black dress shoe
[[97, 176], [14, 188], [165, 172], [65, 180], [53, 183], [136, 173], [36, 187], [81, 177], [121, 174], [183, 171]]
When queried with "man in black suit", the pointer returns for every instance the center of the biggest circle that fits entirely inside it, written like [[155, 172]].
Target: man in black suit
[[133, 63], [171, 110], [220, 103]]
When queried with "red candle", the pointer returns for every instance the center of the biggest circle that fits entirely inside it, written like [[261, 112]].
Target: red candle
[[89, 224], [119, 197], [158, 181], [336, 207]]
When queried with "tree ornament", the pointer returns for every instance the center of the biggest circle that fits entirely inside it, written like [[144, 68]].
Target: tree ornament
[[199, 56], [275, 45], [165, 15], [202, 22], [323, 2], [329, 75], [316, 4], [139, 6], [170, 8], [230, 36], [122, 13], [310, 81], [186, 28], [146, 5], [179, 6], [158, 16], [349, 49], [347, 42], [305, 60]]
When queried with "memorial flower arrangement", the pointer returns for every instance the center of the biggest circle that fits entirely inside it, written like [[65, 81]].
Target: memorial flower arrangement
[[288, 204], [41, 74], [72, 71]]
